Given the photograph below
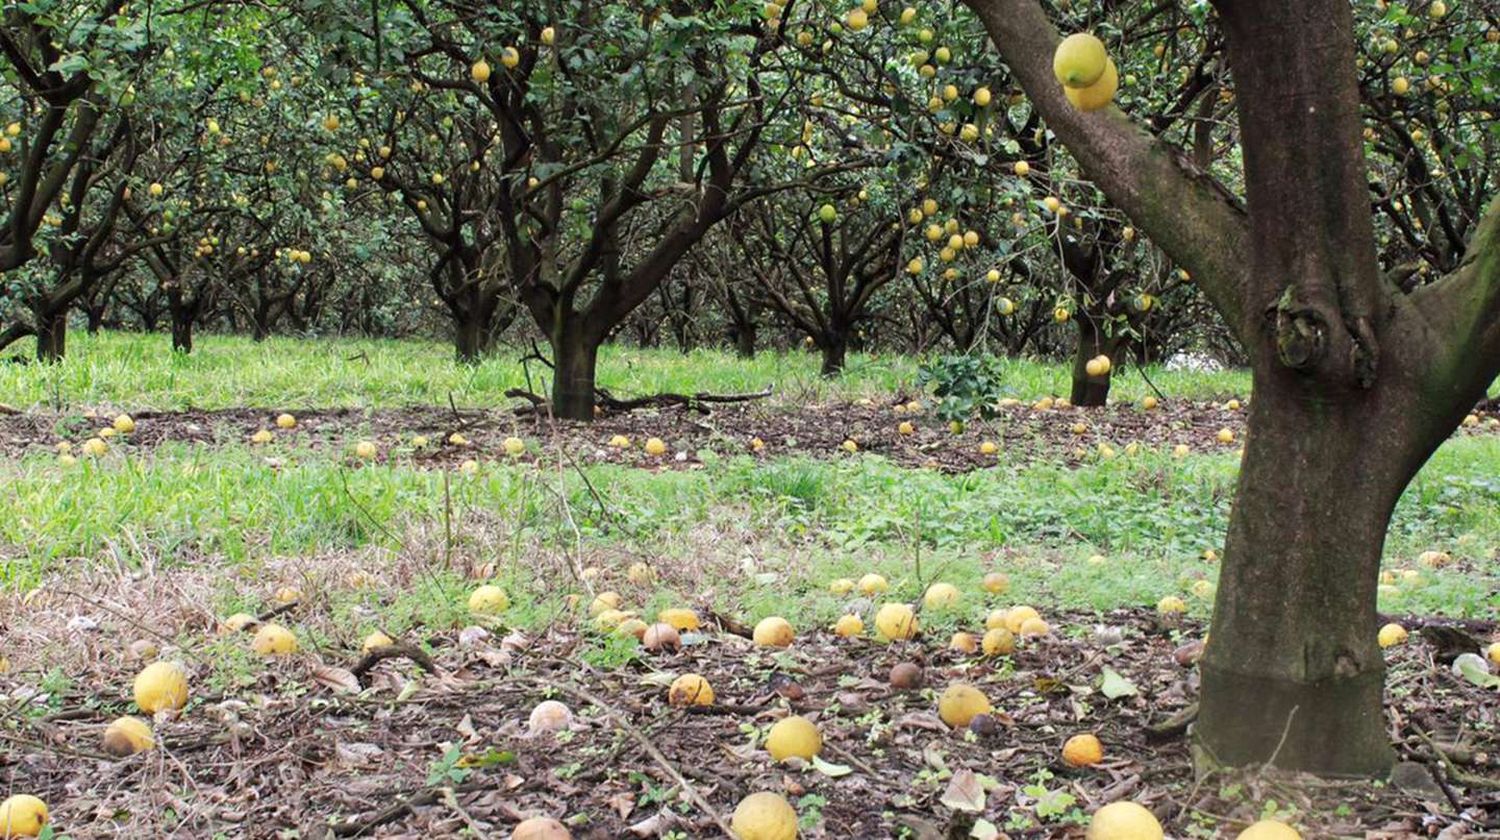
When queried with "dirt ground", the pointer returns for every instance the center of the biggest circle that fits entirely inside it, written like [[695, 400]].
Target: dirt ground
[[323, 744], [817, 430]]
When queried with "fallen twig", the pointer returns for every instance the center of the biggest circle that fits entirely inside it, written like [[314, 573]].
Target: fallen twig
[[392, 651], [651, 750]]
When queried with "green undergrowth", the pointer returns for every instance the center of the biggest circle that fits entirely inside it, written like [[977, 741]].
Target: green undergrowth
[[764, 537], [135, 372]]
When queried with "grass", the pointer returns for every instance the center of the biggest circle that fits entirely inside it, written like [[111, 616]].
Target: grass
[[133, 372], [756, 537], [805, 521]]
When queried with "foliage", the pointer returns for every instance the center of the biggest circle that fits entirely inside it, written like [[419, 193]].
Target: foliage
[[965, 386]]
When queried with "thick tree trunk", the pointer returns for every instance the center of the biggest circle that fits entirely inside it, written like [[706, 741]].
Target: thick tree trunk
[[1293, 673], [473, 337], [574, 359], [744, 339], [182, 331], [834, 349], [1091, 390], [51, 335]]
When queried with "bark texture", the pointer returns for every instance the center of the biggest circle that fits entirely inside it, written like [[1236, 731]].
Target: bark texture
[[1355, 382]]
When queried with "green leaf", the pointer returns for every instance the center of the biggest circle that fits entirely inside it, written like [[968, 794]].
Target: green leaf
[[830, 769], [1115, 686]]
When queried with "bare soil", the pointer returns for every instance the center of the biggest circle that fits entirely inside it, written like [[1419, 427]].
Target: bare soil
[[1067, 435]]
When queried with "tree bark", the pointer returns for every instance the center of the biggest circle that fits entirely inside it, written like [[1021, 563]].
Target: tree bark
[[1091, 391], [744, 339], [834, 349], [182, 330], [575, 358], [1293, 673], [473, 336], [51, 335]]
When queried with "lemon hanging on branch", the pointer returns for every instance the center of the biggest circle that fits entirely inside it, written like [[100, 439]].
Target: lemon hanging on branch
[[1080, 60], [1098, 94], [1084, 69]]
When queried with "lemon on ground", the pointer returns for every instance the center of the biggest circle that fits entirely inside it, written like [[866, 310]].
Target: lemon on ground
[[641, 573], [963, 643], [1269, 830], [773, 631], [849, 626], [841, 586], [1080, 60], [1098, 94], [375, 641], [550, 716], [794, 735], [961, 703], [656, 447], [488, 600], [690, 690], [127, 736], [160, 686], [24, 815], [1391, 635], [1017, 616], [365, 449], [1083, 750], [996, 583], [540, 828], [514, 446], [764, 816], [872, 584], [940, 595], [1033, 627], [606, 600], [123, 424], [896, 622], [273, 640], [235, 623], [1171, 604], [1124, 821], [611, 619], [998, 642], [286, 421], [679, 617]]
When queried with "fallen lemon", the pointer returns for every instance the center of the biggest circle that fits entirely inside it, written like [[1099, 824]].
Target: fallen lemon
[[961, 703], [127, 736], [794, 735], [161, 686], [690, 690], [1124, 821]]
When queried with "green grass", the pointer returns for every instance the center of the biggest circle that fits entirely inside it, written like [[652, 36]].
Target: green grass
[[762, 536], [807, 521], [135, 372]]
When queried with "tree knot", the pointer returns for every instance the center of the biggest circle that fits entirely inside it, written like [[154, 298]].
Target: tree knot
[[1301, 331]]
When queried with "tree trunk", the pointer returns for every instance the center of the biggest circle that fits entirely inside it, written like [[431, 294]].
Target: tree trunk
[[744, 339], [182, 330], [1091, 390], [1293, 671], [574, 359], [834, 349], [51, 335], [472, 338], [96, 318]]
